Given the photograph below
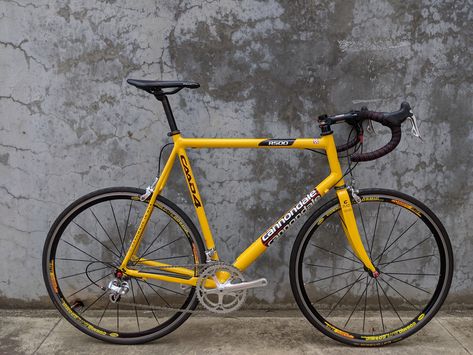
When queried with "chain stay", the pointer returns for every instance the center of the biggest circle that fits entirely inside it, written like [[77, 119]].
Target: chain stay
[[152, 308]]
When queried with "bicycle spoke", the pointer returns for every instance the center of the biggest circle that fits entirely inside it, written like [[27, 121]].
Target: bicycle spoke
[[118, 317], [405, 299], [165, 288], [358, 302], [100, 224], [366, 299], [111, 251], [340, 300], [103, 262], [331, 277], [86, 261], [374, 231], [340, 289], [149, 246], [415, 246], [134, 306], [105, 310], [380, 256], [390, 245], [410, 274], [116, 224], [327, 267], [394, 277], [81, 273], [146, 299], [159, 295], [90, 284], [331, 252], [389, 300], [409, 259], [126, 229], [348, 250], [161, 247], [379, 304], [98, 298]]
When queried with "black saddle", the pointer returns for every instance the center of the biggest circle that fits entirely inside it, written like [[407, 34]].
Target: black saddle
[[156, 87]]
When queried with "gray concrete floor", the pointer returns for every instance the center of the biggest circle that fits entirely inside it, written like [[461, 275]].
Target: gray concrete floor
[[255, 332]]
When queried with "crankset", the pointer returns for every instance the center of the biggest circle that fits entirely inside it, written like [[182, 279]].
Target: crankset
[[226, 296]]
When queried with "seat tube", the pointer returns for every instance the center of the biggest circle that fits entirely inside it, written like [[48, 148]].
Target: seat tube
[[197, 202]]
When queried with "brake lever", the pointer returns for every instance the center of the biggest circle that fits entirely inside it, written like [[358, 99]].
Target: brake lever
[[415, 129], [370, 128]]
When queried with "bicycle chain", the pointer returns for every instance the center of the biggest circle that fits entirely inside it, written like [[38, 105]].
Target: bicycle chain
[[152, 308]]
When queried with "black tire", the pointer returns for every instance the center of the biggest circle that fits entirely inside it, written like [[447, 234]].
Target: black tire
[[89, 231], [339, 292]]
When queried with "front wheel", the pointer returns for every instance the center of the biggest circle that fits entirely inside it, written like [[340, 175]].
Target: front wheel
[[83, 252], [407, 244]]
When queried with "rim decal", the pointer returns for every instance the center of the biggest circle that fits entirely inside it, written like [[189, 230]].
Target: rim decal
[[388, 335], [52, 275], [406, 205], [338, 331]]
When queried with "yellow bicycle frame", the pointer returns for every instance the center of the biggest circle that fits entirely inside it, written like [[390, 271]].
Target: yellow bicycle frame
[[259, 246]]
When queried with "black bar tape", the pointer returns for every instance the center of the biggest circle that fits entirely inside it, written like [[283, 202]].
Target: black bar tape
[[392, 144], [389, 147], [393, 120]]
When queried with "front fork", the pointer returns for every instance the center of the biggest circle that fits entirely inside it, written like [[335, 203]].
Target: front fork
[[351, 231]]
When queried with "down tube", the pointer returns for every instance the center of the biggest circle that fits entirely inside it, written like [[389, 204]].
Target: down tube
[[276, 230]]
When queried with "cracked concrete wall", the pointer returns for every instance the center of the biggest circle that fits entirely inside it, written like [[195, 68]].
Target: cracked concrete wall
[[70, 124]]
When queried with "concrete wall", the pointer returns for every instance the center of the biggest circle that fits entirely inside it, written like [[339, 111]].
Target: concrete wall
[[70, 124]]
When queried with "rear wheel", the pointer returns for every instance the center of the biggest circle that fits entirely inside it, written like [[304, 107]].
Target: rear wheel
[[84, 249], [407, 244]]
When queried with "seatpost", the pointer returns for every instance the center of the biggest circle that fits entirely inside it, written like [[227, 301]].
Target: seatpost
[[167, 109]]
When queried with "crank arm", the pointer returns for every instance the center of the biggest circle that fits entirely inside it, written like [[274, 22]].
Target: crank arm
[[238, 287]]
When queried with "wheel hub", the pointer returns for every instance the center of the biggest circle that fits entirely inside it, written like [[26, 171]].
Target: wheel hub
[[374, 274]]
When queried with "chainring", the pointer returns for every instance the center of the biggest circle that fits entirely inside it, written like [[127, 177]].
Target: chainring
[[217, 299]]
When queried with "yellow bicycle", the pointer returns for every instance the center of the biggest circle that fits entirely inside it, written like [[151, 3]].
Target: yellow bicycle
[[369, 268]]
